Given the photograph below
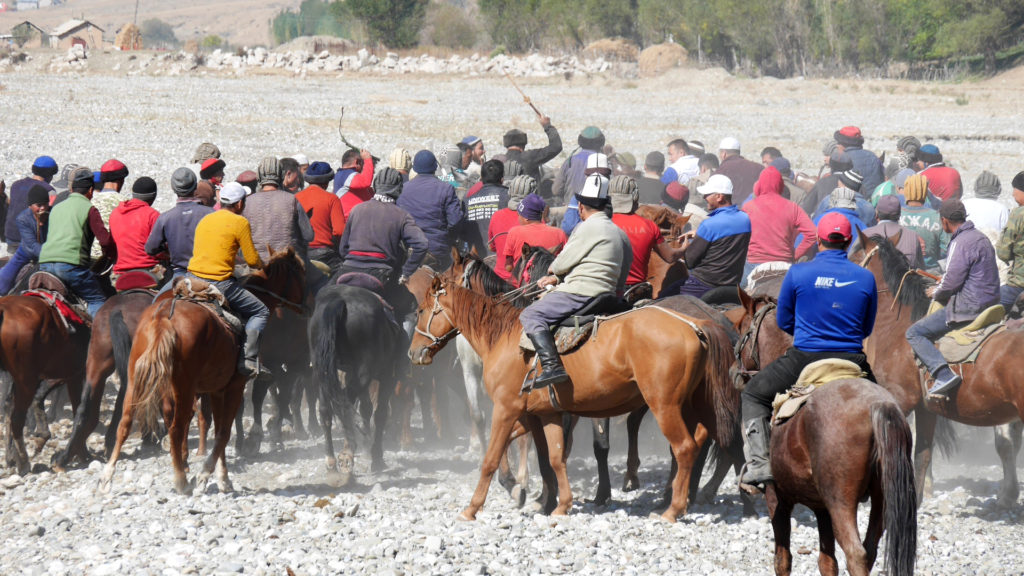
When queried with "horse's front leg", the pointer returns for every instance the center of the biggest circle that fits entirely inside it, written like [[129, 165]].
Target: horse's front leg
[[601, 449], [1007, 438], [502, 420], [779, 511], [554, 433], [924, 424]]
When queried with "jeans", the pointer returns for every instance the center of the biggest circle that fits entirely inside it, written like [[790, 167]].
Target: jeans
[[328, 256], [1008, 294], [9, 273], [691, 286], [80, 281], [922, 335], [243, 303]]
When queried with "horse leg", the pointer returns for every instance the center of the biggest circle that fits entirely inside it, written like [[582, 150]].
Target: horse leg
[[685, 446], [601, 449], [523, 473], [472, 377], [875, 525], [285, 421], [924, 425], [260, 387], [177, 432], [695, 475], [780, 511], [502, 420], [404, 400], [554, 433], [827, 564], [547, 499], [334, 478], [386, 390], [1007, 439], [124, 428], [631, 481], [87, 417], [205, 417], [17, 456], [220, 424], [41, 435], [844, 522]]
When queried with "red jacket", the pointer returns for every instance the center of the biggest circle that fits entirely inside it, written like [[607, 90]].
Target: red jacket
[[130, 225], [943, 181], [497, 235], [354, 187], [776, 222], [325, 215]]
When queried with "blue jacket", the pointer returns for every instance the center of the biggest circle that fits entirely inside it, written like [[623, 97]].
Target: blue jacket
[[436, 209], [571, 219], [32, 237], [828, 304], [868, 166], [865, 210], [855, 222], [717, 253], [971, 282], [175, 231]]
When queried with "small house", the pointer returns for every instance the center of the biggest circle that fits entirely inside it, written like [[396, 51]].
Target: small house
[[75, 33], [28, 35]]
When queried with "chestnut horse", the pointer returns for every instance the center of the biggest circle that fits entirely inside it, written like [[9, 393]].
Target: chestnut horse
[[182, 349], [613, 373], [849, 442], [36, 344], [991, 393]]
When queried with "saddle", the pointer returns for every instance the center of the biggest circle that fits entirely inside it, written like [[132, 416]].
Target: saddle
[[373, 284], [575, 330], [207, 295], [813, 376], [144, 279], [963, 345], [72, 311]]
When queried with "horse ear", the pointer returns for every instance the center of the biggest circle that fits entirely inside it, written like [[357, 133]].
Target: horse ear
[[473, 252], [526, 250], [683, 220], [866, 242], [270, 250], [746, 301], [456, 255], [435, 284]]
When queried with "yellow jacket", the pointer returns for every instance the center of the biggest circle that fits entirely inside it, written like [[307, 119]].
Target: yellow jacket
[[219, 236]]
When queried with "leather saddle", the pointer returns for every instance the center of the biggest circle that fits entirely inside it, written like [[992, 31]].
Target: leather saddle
[[963, 345], [575, 330], [69, 307], [813, 376]]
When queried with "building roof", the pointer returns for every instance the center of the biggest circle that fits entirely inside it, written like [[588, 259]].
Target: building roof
[[71, 26], [26, 23]]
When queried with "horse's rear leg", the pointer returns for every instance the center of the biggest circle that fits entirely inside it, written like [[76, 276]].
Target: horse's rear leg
[[124, 428], [780, 511], [386, 390], [41, 433], [24, 394], [502, 420], [1008, 437], [251, 445], [554, 433], [631, 481], [178, 434], [827, 564], [844, 523], [547, 500], [601, 449], [875, 523], [685, 441], [230, 404], [924, 437], [204, 417]]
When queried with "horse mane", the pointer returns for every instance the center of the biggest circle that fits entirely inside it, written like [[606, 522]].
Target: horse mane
[[894, 272], [492, 284], [541, 259], [284, 263], [492, 319]]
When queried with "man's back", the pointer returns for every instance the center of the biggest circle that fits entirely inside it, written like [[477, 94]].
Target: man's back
[[274, 218], [130, 225], [325, 215], [717, 253], [650, 190], [743, 174], [435, 208], [219, 237], [908, 242], [374, 236], [971, 281], [987, 213], [925, 222], [176, 229], [535, 234], [943, 181], [644, 235], [480, 207]]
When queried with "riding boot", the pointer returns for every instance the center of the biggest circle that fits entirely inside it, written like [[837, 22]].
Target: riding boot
[[552, 371], [758, 470], [946, 381], [248, 362]]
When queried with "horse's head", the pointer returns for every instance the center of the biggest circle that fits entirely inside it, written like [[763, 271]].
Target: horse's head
[[533, 264], [282, 280], [434, 325]]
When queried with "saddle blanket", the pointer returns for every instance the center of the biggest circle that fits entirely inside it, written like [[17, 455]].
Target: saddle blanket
[[68, 312], [207, 295], [567, 338], [962, 347], [813, 376]]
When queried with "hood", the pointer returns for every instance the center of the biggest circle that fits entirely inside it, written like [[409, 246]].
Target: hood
[[770, 182], [134, 205]]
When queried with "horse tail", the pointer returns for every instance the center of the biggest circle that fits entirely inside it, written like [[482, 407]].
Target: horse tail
[[325, 343], [153, 370], [722, 393], [945, 437], [892, 455], [121, 343]]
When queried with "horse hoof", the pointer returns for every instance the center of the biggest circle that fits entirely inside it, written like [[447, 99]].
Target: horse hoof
[[465, 516], [667, 516], [534, 508], [630, 483], [518, 494], [337, 479]]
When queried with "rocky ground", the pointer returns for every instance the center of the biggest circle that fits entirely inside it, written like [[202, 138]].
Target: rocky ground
[[282, 514]]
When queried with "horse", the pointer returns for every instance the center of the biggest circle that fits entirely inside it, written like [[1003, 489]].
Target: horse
[[849, 442], [611, 374], [182, 349], [350, 330], [990, 394], [672, 224], [108, 349], [37, 343]]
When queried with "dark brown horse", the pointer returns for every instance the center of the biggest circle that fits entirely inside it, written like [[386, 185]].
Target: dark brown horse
[[37, 344], [182, 349], [611, 374], [848, 443], [991, 393]]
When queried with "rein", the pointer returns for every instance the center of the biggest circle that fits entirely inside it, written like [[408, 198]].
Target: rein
[[750, 336], [297, 307]]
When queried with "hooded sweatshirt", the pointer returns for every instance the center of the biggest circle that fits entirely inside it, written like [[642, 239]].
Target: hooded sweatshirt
[[130, 225], [776, 222]]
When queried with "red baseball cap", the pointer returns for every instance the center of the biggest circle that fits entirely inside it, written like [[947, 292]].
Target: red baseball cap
[[832, 224]]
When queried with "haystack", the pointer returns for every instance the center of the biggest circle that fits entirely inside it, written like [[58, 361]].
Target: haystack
[[612, 49], [658, 59]]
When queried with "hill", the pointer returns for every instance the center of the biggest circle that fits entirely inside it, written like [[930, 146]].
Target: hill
[[240, 22]]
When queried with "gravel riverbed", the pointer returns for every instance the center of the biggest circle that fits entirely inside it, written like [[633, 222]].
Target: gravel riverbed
[[282, 515]]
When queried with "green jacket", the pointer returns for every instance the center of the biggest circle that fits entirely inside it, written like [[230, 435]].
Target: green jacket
[[70, 237], [1010, 248], [926, 222]]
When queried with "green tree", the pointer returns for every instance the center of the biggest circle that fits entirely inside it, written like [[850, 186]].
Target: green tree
[[450, 26], [158, 34], [612, 17], [515, 24], [393, 23]]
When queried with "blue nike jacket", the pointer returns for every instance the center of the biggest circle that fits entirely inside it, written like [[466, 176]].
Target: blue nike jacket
[[828, 304]]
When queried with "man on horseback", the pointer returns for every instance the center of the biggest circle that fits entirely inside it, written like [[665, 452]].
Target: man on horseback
[[595, 261], [828, 305], [175, 230], [33, 223], [219, 236], [969, 286]]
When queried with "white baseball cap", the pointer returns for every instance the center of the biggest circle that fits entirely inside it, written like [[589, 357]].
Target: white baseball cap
[[717, 184], [729, 143], [231, 193]]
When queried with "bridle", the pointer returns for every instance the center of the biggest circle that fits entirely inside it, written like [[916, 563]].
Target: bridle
[[749, 339], [297, 307], [436, 343]]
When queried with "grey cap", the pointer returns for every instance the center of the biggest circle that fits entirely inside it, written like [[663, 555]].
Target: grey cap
[[184, 182], [987, 186], [623, 192], [204, 152], [269, 171], [520, 187], [388, 183], [843, 198]]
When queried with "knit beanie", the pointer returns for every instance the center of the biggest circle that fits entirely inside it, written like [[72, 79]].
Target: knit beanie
[[388, 183], [851, 179], [829, 149], [591, 138], [204, 152], [183, 182], [319, 173], [425, 162], [840, 162], [514, 137], [399, 159], [929, 154], [520, 187], [1018, 181], [38, 195], [44, 166], [987, 186], [675, 196], [211, 167], [623, 193], [915, 189], [269, 171], [909, 145], [849, 136], [249, 180], [843, 198], [144, 189]]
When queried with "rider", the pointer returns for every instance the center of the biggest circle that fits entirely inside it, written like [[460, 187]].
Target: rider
[[828, 305], [219, 237], [377, 237], [595, 261], [33, 223], [644, 235], [325, 215], [531, 230], [969, 286], [130, 225], [174, 231]]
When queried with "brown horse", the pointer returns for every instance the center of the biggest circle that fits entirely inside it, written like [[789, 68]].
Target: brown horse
[[659, 272], [611, 374], [991, 393], [849, 442], [182, 349], [36, 344]]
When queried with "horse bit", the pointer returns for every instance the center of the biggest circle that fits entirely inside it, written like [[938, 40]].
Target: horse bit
[[437, 342]]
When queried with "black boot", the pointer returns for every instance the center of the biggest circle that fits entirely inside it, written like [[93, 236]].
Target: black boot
[[248, 362], [758, 469], [552, 371]]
